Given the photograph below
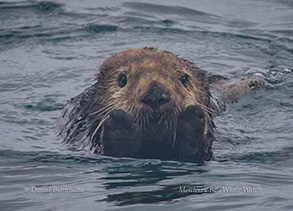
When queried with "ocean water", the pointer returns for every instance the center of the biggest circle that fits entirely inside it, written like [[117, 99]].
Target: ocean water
[[50, 51]]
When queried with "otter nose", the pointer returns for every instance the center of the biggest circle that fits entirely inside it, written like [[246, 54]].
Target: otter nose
[[155, 97]]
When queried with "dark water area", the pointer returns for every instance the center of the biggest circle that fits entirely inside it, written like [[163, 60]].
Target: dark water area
[[50, 51]]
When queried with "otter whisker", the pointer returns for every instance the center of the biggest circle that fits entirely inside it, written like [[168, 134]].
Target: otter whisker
[[105, 117], [110, 108], [206, 109], [161, 118], [174, 135], [99, 125], [101, 110], [210, 110]]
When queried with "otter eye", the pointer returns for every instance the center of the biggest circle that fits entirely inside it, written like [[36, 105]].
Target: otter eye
[[122, 80], [184, 80]]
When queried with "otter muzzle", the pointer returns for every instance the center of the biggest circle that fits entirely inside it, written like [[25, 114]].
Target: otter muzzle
[[155, 97]]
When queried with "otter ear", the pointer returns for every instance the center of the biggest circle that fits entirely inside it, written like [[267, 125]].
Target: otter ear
[[101, 74], [152, 49]]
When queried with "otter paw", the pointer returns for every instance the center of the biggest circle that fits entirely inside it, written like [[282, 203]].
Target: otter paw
[[120, 136], [190, 133], [192, 122]]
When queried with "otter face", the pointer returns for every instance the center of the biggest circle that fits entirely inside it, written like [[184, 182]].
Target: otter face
[[150, 84]]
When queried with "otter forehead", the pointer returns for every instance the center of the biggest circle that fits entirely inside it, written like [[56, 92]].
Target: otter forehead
[[153, 69], [145, 59]]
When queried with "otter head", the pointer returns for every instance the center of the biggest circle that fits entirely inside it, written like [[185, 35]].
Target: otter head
[[155, 87]]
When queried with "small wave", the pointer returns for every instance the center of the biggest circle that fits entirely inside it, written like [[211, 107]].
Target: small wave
[[44, 6], [168, 22], [159, 30], [50, 157], [138, 21], [101, 28], [104, 9], [262, 157], [45, 105], [170, 10]]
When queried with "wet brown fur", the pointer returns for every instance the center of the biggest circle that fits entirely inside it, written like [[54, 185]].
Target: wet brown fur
[[85, 114]]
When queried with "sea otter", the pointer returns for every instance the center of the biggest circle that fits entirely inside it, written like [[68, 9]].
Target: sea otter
[[146, 104]]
